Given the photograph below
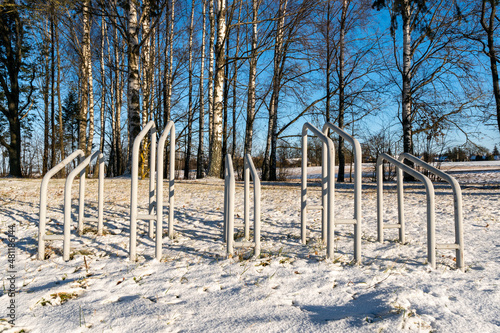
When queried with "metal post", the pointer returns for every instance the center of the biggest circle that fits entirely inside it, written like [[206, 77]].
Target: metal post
[[100, 216], [152, 183], [81, 198], [303, 190], [246, 199], [230, 192], [250, 169], [43, 200], [226, 204], [401, 213], [325, 175], [380, 200], [169, 130]]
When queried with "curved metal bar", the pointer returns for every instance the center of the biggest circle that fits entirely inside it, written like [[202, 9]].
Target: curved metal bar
[[250, 169], [150, 127], [67, 200], [229, 191], [43, 199], [457, 196], [429, 188], [357, 184], [168, 130], [328, 183]]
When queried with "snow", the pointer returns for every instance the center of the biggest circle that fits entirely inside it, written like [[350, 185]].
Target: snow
[[291, 287]]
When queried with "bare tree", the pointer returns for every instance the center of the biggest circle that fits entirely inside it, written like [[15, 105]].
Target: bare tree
[[251, 79], [215, 167], [489, 23], [190, 96], [200, 173]]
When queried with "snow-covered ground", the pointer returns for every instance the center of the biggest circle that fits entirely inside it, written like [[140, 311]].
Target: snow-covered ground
[[290, 288]]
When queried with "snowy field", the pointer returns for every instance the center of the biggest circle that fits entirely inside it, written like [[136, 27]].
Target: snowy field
[[290, 288]]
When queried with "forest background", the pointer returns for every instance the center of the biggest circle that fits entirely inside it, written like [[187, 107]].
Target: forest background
[[242, 77]]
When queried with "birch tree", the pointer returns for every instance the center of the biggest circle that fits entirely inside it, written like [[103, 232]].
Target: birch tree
[[215, 167], [133, 91], [84, 80], [430, 62], [211, 57]]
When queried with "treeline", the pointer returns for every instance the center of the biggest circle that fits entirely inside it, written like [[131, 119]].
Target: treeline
[[239, 76]]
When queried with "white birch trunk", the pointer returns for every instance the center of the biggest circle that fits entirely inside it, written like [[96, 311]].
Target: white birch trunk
[[216, 149], [211, 77], [84, 90], [406, 93], [134, 112], [103, 84]]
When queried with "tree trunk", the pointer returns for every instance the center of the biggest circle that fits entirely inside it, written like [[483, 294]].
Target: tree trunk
[[216, 149], [84, 86], [88, 63], [269, 167], [133, 100], [235, 80], [489, 28], [60, 117], [340, 177], [103, 85], [406, 93], [46, 131], [145, 86], [211, 78], [328, 69], [52, 90], [190, 96], [251, 80], [224, 99], [200, 172]]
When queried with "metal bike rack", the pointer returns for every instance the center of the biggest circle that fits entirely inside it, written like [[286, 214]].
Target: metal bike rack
[[134, 216], [429, 188], [80, 170], [357, 187], [42, 237], [169, 130], [327, 193], [458, 246], [229, 192]]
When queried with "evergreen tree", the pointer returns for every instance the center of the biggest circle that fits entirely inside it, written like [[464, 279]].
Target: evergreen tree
[[16, 81]]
